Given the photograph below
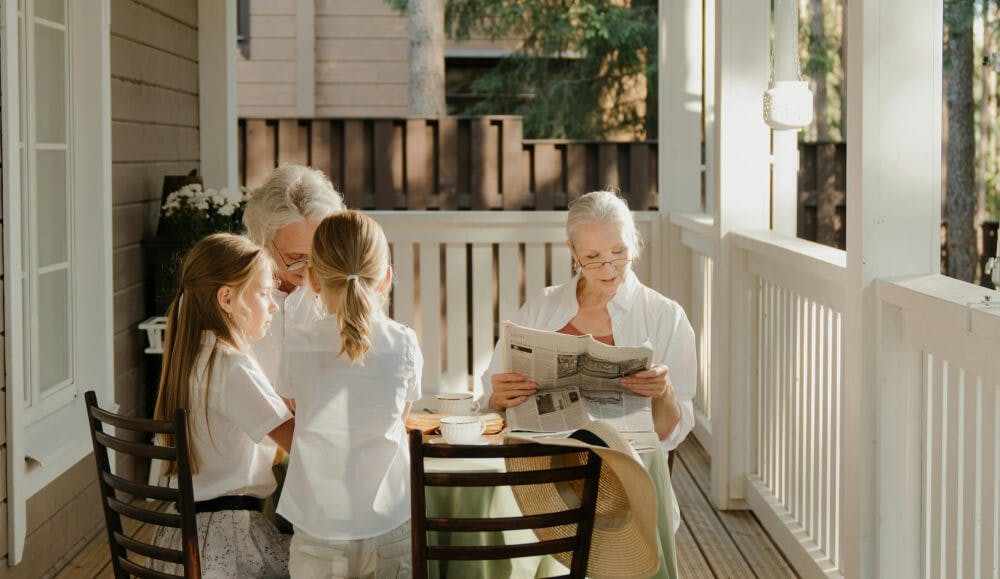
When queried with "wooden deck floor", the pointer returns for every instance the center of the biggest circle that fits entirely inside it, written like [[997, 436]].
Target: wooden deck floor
[[709, 543]]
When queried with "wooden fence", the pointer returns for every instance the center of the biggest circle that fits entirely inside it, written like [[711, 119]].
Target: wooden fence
[[449, 163]]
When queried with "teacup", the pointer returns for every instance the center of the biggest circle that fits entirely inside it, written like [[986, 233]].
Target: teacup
[[462, 429], [456, 403]]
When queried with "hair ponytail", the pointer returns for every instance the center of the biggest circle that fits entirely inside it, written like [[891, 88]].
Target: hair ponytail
[[350, 258]]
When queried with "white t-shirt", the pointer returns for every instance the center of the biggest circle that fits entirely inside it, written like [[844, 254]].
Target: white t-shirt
[[235, 455], [348, 472], [299, 307]]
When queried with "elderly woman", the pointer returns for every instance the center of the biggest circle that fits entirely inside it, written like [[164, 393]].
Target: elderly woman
[[281, 217], [607, 301]]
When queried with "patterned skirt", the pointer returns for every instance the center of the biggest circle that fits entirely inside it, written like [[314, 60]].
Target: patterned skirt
[[232, 544]]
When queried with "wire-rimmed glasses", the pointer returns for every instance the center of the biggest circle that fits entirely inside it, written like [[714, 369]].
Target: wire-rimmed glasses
[[293, 266]]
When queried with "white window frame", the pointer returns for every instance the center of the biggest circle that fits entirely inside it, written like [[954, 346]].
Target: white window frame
[[43, 445]]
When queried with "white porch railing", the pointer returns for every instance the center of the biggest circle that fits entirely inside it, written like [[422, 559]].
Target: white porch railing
[[459, 273], [696, 237], [791, 298], [940, 427]]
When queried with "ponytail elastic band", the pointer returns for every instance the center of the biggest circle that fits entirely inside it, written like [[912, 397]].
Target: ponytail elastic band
[[353, 276]]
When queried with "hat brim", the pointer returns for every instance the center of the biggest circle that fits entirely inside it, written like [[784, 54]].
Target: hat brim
[[625, 539]]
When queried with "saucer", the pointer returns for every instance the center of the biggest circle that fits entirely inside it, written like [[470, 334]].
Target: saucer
[[478, 442]]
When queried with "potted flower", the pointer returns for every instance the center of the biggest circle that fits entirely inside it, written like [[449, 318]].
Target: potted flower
[[187, 215]]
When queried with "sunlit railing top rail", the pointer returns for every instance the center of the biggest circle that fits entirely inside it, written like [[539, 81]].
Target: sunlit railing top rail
[[793, 293]]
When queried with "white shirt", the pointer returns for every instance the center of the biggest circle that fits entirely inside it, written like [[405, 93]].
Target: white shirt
[[638, 314], [235, 454], [349, 468], [299, 307]]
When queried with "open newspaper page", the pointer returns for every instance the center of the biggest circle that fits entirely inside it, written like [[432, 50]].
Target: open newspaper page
[[579, 379]]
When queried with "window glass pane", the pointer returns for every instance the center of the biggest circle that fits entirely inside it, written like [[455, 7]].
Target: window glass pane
[[50, 10], [52, 233], [50, 85], [53, 329], [26, 334], [25, 225]]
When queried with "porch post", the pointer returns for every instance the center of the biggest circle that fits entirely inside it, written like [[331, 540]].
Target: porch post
[[741, 192], [217, 92], [679, 134], [893, 225]]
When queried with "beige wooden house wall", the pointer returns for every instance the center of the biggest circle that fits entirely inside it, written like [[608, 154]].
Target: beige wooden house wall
[[154, 105], [348, 58]]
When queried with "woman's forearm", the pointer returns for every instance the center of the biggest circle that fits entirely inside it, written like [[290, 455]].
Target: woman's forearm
[[666, 414]]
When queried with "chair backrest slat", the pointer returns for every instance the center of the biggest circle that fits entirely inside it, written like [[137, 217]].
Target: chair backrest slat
[[497, 451], [146, 425], [137, 449], [143, 572], [497, 479], [489, 524], [139, 489], [152, 551], [580, 518], [124, 440], [490, 553]]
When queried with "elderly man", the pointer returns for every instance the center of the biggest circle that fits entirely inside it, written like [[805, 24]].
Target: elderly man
[[281, 217]]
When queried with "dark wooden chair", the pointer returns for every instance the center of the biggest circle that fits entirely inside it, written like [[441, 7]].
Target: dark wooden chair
[[421, 524], [113, 488]]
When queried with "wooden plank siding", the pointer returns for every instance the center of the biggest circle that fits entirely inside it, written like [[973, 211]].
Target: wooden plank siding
[[154, 108], [478, 163], [359, 57]]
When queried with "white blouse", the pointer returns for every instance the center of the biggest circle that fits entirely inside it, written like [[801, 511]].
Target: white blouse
[[638, 314], [299, 307], [348, 470], [235, 454]]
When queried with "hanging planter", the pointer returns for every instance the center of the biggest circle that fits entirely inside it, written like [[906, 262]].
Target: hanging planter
[[788, 101]]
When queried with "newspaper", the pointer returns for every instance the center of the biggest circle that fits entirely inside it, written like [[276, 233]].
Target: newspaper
[[579, 379]]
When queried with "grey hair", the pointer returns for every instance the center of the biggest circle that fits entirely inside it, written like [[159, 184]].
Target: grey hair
[[292, 193], [604, 207]]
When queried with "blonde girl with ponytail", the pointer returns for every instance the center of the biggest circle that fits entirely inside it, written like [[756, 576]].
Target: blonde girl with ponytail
[[236, 419], [354, 376]]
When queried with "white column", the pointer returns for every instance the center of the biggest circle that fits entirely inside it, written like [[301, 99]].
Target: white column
[[680, 105], [305, 58], [741, 192], [893, 221], [786, 143], [217, 92], [679, 134]]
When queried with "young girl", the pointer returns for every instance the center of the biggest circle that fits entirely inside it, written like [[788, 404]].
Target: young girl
[[236, 420], [353, 376]]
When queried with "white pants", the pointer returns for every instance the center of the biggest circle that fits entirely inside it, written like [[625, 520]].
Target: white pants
[[382, 557]]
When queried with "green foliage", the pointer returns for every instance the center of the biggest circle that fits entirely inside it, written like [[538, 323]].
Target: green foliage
[[578, 73]]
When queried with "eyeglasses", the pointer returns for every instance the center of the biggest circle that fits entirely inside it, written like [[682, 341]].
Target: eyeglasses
[[293, 266], [617, 263]]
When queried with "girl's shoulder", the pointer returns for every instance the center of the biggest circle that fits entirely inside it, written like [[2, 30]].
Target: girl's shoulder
[[393, 333]]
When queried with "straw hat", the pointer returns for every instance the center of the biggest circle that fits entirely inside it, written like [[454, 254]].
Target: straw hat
[[625, 539]]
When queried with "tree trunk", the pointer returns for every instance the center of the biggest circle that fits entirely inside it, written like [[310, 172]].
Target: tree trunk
[[843, 70], [817, 38], [961, 183], [987, 114], [426, 28]]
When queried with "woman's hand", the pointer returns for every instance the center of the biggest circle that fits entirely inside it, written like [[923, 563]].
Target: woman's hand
[[509, 390], [653, 382]]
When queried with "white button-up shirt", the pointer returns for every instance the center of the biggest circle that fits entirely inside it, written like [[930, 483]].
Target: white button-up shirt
[[299, 307], [349, 467], [638, 314]]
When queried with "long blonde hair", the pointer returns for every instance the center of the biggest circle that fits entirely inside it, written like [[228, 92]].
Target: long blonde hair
[[218, 260], [346, 245]]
